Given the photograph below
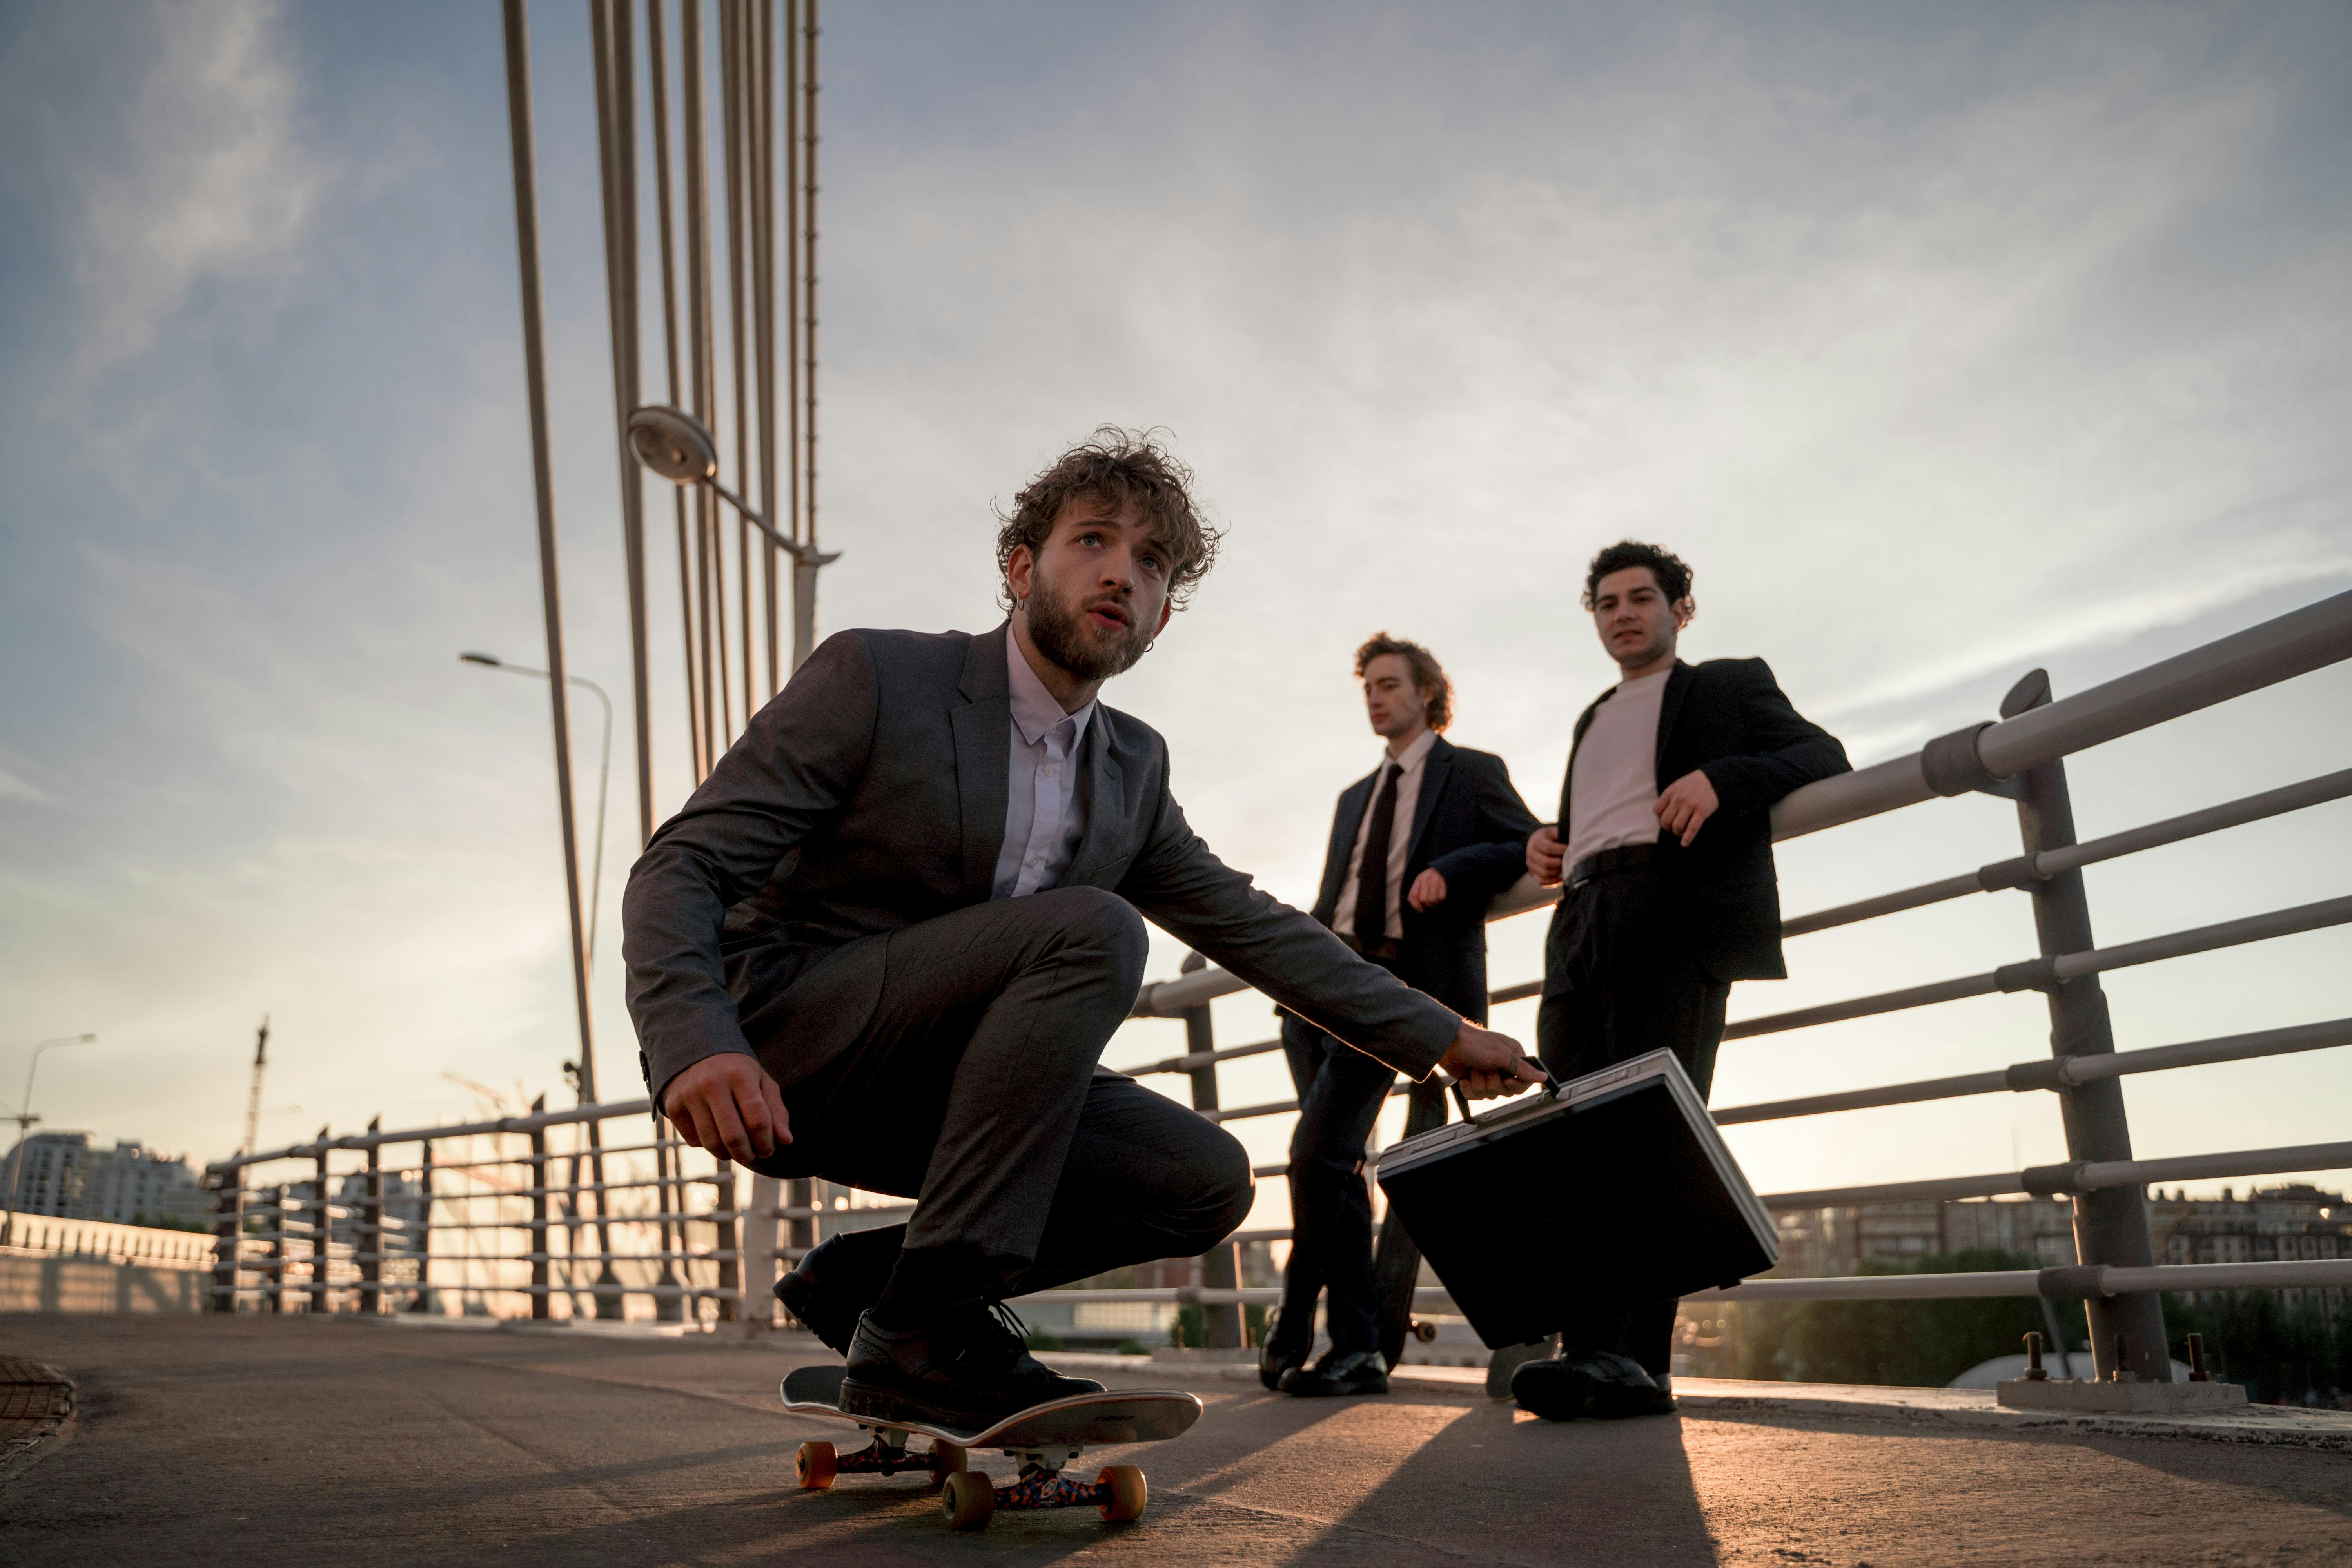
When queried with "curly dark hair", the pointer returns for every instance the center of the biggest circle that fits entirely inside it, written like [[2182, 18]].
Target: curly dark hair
[[1109, 468], [1428, 675], [1672, 573]]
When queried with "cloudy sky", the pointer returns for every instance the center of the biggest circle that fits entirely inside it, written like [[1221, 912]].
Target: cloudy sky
[[1946, 342]]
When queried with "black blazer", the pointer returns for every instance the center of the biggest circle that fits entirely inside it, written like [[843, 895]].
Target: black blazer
[[1471, 825], [1728, 718]]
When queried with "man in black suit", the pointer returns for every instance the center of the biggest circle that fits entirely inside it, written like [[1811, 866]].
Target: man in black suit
[[1418, 848], [1665, 845], [887, 939]]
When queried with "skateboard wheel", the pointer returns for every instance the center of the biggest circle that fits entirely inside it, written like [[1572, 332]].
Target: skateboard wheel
[[947, 1459], [1128, 1492], [967, 1500], [1426, 1332], [815, 1464]]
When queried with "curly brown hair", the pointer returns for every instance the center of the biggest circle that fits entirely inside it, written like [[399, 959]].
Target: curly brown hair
[[1109, 468], [1671, 572], [1428, 675]]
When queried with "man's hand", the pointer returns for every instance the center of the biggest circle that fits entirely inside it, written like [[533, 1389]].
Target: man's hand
[[1544, 852], [1428, 890], [1686, 805], [728, 1105], [1489, 1063]]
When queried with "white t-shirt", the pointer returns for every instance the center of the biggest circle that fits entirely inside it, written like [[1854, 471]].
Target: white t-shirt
[[1612, 785]]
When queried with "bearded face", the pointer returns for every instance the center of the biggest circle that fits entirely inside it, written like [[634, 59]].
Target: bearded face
[[1093, 641]]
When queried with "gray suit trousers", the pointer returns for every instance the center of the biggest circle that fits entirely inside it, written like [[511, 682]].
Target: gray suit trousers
[[974, 1089]]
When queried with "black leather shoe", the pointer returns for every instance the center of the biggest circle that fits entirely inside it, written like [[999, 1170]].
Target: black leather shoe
[[1339, 1372], [1505, 1363], [972, 1369], [1587, 1383], [834, 1285], [1275, 1359]]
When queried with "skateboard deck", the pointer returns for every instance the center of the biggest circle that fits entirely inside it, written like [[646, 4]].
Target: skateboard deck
[[1044, 1438]]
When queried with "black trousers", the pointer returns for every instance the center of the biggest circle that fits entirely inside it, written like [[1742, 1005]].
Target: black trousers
[[1341, 1093], [974, 1091], [1618, 983]]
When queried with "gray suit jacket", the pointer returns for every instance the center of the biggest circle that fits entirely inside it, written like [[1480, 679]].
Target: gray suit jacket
[[868, 795]]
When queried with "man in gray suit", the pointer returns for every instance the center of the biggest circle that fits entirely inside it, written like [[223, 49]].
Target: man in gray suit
[[887, 939]]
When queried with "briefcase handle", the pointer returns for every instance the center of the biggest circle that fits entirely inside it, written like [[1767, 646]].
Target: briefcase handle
[[1463, 1099]]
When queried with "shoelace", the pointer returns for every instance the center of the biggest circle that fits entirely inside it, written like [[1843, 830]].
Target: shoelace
[[995, 1337]]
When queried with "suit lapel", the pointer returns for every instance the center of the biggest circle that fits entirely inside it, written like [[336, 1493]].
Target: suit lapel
[[1435, 770], [983, 753], [1104, 801], [1354, 801], [1670, 707]]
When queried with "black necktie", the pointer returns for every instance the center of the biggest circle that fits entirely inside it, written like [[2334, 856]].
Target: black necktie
[[1372, 871]]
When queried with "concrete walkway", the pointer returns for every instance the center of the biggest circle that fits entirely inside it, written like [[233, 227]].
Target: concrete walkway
[[333, 1441]]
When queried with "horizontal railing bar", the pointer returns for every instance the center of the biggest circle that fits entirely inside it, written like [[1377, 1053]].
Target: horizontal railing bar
[[2080, 1176], [394, 1199], [2034, 974], [789, 1213], [2205, 939], [2293, 644], [2100, 1173], [1993, 1082], [2053, 1072], [1274, 1108], [2027, 869], [598, 1113], [585, 1222], [1199, 1059], [411, 1286], [1279, 1169], [1884, 904], [1865, 1006]]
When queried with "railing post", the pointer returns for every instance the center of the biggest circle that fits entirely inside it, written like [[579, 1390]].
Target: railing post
[[2111, 1225], [540, 1305], [1396, 1262], [228, 1237], [1221, 1264], [278, 1247], [670, 1198], [759, 1253], [322, 1228], [369, 1232], [727, 1241], [424, 1300]]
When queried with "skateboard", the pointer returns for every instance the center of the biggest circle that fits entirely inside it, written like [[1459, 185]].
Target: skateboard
[[1044, 1438]]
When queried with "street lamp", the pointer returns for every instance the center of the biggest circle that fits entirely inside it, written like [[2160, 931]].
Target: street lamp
[[681, 449], [603, 777], [25, 1119]]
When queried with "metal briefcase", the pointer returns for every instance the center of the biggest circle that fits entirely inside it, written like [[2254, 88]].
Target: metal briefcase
[[1614, 1187]]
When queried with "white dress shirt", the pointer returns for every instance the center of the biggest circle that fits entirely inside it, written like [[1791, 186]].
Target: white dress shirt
[[1408, 796], [1612, 785], [1043, 818]]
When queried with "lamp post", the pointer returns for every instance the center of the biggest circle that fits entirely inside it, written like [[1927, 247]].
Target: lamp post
[[25, 1119], [680, 448], [604, 778]]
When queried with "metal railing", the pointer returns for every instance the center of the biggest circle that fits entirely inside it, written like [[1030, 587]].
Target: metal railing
[[2020, 756], [535, 1216], [588, 1227]]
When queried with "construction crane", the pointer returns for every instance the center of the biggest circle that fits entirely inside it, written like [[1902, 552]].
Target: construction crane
[[253, 1100]]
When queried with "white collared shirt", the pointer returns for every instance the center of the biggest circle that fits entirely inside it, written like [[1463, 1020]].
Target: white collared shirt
[[1408, 797], [1613, 784], [1043, 818]]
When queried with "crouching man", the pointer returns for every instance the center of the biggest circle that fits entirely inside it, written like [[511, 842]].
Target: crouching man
[[887, 939]]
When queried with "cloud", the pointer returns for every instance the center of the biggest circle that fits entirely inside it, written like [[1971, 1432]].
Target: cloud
[[14, 788], [215, 183]]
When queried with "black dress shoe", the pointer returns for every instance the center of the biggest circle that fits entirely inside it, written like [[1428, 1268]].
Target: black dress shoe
[[1579, 1382], [1274, 1360], [1339, 1372], [970, 1369], [834, 1285]]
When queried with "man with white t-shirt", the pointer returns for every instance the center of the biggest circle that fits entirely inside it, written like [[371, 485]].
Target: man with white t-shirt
[[1664, 849]]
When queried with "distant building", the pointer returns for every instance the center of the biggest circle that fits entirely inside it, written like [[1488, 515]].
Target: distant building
[[2267, 1224], [62, 1175]]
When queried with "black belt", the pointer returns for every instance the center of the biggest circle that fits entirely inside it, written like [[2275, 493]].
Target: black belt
[[1620, 859], [1382, 952]]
